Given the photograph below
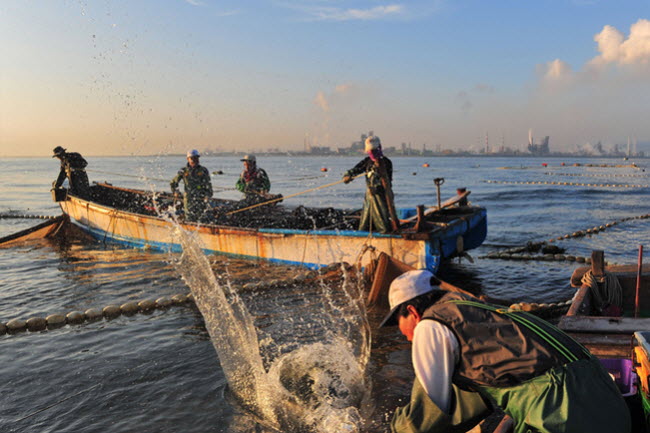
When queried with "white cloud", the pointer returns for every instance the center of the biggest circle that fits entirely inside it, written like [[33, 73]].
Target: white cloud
[[343, 88], [321, 101], [329, 13], [484, 88], [194, 2], [228, 13], [555, 70], [615, 49]]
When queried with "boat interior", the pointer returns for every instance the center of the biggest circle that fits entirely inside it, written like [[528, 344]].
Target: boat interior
[[255, 214]]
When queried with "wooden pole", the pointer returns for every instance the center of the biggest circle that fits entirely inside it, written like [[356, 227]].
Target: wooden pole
[[290, 196], [637, 306]]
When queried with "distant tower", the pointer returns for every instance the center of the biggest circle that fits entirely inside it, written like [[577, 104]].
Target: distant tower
[[628, 146], [487, 143]]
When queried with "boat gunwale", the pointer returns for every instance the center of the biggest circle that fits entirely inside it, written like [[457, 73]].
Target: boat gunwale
[[407, 236], [214, 228]]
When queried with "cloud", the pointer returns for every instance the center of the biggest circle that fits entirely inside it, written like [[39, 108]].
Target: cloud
[[321, 101], [555, 70], [484, 88], [194, 2], [343, 88], [329, 13], [464, 101], [339, 97], [615, 49], [228, 13]]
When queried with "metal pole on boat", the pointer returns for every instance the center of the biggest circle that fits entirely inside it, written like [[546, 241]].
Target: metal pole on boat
[[638, 282], [438, 181]]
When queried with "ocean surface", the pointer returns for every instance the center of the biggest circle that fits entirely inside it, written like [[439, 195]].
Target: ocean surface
[[160, 372]]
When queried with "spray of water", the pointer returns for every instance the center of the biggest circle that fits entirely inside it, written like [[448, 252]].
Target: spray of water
[[316, 387]]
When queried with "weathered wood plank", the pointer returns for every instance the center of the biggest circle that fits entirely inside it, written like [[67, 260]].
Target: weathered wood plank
[[616, 325], [606, 346], [623, 272]]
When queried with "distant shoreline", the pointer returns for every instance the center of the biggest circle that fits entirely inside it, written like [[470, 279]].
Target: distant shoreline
[[329, 155]]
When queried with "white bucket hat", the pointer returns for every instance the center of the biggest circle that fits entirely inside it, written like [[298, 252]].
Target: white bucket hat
[[248, 158], [404, 288], [372, 143]]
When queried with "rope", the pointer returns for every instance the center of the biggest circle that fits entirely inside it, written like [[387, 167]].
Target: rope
[[605, 290], [597, 185], [291, 195], [595, 175], [42, 217]]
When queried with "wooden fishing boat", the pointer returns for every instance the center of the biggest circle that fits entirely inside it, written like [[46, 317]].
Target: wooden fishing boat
[[312, 237], [609, 335]]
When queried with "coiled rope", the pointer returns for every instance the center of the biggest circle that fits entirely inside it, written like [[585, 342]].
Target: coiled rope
[[605, 290]]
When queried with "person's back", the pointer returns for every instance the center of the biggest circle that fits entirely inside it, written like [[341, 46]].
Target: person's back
[[469, 356], [536, 373], [73, 167]]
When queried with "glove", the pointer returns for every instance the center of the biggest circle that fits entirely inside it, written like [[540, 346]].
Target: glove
[[347, 179]]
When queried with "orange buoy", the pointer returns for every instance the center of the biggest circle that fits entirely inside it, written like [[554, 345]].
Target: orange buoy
[[426, 164], [323, 169], [562, 164], [544, 164]]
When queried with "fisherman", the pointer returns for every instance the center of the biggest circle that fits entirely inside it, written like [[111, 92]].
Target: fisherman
[[73, 167], [198, 188], [470, 357], [253, 181], [378, 207]]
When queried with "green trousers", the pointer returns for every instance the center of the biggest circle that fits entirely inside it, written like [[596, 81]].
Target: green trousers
[[574, 398], [375, 214]]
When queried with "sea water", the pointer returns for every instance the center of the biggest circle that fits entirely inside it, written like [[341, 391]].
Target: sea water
[[163, 371]]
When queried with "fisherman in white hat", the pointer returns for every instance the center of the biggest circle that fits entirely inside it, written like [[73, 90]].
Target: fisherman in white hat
[[470, 357], [253, 180], [197, 186], [378, 208]]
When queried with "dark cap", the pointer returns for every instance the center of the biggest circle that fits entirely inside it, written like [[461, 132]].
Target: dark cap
[[58, 150]]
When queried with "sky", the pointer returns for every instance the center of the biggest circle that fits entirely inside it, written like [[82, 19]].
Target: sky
[[143, 77]]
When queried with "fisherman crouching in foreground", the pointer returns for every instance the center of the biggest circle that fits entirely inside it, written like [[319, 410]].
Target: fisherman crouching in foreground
[[378, 207], [73, 167], [197, 186], [470, 357]]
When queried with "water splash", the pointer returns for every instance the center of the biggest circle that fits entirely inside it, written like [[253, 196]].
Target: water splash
[[316, 387]]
